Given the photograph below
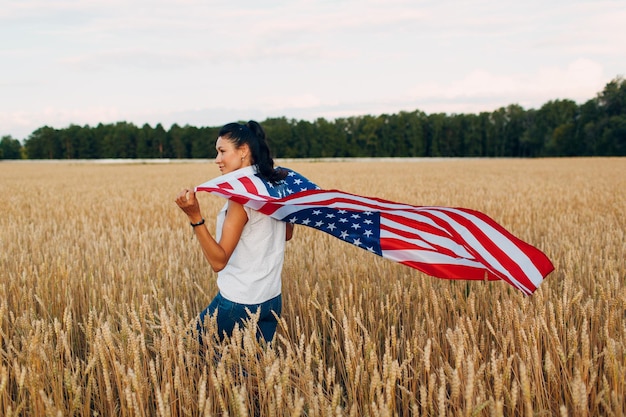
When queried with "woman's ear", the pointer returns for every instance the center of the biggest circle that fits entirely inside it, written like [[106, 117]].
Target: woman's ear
[[244, 151]]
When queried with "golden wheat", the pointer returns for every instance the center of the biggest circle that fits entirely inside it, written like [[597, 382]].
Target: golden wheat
[[101, 281]]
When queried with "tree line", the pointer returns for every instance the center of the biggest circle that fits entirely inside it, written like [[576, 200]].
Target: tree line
[[559, 128]]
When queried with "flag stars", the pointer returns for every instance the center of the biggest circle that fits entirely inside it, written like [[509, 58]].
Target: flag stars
[[352, 226], [297, 181]]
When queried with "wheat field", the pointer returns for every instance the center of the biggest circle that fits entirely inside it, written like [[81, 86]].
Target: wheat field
[[100, 282]]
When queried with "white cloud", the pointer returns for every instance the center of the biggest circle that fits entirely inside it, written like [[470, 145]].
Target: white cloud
[[580, 80], [24, 123]]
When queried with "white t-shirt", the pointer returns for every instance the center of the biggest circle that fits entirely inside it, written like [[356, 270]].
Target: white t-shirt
[[253, 273]]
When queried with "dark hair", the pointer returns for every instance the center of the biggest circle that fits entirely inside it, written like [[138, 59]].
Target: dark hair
[[253, 135]]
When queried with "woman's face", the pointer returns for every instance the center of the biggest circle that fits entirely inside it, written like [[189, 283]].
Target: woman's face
[[229, 158]]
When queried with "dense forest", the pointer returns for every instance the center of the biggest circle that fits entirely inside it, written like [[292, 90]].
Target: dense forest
[[558, 128]]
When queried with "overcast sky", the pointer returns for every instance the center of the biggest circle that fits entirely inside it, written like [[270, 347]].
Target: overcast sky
[[206, 63]]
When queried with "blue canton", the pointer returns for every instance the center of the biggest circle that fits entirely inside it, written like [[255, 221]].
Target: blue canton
[[293, 183], [361, 228]]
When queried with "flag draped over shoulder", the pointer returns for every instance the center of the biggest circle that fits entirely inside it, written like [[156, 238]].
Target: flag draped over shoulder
[[444, 242]]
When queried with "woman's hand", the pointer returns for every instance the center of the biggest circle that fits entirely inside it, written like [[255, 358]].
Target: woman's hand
[[217, 253], [188, 203]]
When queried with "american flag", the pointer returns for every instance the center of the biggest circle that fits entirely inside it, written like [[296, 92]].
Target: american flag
[[444, 242]]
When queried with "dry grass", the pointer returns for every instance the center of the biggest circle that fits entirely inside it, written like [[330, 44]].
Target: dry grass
[[100, 282]]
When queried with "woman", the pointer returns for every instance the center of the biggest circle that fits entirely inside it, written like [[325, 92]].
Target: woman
[[248, 249]]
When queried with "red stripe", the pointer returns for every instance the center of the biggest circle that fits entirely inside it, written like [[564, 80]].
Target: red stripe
[[225, 185], [414, 224], [387, 243], [249, 185], [447, 271]]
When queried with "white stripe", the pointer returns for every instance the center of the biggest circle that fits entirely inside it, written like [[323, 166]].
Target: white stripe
[[429, 257], [506, 245], [386, 234], [357, 202]]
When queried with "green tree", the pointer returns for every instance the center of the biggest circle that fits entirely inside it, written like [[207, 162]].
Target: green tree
[[87, 144], [349, 126], [612, 136], [303, 136], [586, 127], [472, 137], [10, 148], [552, 115], [78, 142], [410, 127], [516, 125], [280, 136], [612, 99], [452, 138], [487, 133], [203, 142], [177, 137], [329, 140], [367, 136], [611, 126], [433, 133], [145, 147], [44, 143], [159, 141], [119, 140]]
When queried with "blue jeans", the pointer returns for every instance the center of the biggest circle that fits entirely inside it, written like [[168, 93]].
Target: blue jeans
[[230, 313]]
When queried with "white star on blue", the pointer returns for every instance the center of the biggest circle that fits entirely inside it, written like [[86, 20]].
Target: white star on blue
[[362, 230]]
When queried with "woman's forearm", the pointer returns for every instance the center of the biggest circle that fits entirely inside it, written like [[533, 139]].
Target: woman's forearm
[[213, 252]]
